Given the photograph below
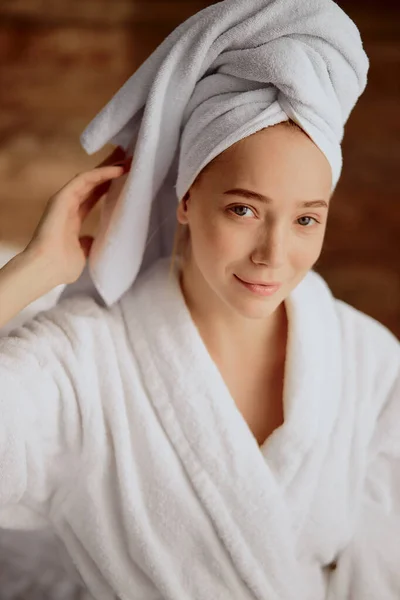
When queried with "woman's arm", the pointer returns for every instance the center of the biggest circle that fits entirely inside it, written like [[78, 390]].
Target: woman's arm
[[49, 366], [50, 402], [57, 253], [370, 565], [24, 279]]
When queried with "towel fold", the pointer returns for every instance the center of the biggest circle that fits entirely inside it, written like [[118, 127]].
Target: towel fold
[[228, 71]]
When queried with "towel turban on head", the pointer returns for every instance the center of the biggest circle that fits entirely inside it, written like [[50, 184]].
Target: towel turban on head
[[228, 71]]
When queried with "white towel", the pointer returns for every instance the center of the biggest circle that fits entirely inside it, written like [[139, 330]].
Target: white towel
[[228, 71]]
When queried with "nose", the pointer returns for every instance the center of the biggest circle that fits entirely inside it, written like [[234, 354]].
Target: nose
[[271, 248]]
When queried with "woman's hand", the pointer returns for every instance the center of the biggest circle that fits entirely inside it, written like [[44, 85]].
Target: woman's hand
[[56, 240]]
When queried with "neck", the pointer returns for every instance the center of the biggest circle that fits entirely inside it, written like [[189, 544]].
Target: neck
[[223, 330]]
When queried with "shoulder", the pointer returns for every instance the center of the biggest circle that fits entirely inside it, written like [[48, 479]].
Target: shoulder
[[72, 326], [371, 351], [368, 349], [366, 332], [356, 327], [66, 315]]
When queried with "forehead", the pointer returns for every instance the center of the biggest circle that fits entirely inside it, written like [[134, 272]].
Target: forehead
[[275, 162]]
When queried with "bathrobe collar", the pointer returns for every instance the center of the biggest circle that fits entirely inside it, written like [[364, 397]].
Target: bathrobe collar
[[246, 490]]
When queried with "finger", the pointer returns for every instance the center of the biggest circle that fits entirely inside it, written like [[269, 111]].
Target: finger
[[100, 172], [82, 187], [98, 175], [84, 183], [87, 205], [98, 191]]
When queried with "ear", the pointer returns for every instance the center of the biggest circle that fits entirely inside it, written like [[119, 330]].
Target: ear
[[182, 210]]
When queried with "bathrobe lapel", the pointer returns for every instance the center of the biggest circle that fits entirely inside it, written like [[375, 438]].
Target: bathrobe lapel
[[312, 392], [255, 498]]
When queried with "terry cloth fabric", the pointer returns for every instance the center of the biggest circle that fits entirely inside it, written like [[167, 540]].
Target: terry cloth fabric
[[228, 71], [118, 430]]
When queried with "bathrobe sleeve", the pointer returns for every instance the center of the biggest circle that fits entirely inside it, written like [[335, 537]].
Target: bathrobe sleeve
[[369, 566], [47, 372]]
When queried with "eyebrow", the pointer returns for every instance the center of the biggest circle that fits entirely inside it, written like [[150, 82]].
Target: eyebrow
[[254, 195]]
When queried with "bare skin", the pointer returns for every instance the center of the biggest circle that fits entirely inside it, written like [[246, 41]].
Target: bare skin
[[277, 241], [57, 253]]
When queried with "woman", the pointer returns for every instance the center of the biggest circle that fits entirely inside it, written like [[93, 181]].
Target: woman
[[225, 428]]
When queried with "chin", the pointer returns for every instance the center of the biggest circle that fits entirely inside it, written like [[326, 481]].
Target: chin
[[255, 309]]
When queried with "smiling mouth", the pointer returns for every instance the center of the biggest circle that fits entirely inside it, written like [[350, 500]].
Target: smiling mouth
[[259, 283], [259, 289]]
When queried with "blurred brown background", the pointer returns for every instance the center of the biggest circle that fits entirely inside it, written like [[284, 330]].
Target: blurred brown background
[[62, 60]]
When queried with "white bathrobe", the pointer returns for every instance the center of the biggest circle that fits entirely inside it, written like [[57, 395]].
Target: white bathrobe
[[118, 430]]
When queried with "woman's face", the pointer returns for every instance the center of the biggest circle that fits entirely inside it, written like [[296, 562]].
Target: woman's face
[[237, 237]]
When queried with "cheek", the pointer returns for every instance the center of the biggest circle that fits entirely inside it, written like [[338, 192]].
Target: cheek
[[214, 238], [306, 253]]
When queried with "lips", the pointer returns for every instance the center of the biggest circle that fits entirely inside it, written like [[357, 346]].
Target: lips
[[262, 290], [266, 284]]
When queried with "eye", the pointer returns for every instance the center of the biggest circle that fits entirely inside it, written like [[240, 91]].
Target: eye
[[240, 211], [306, 224]]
